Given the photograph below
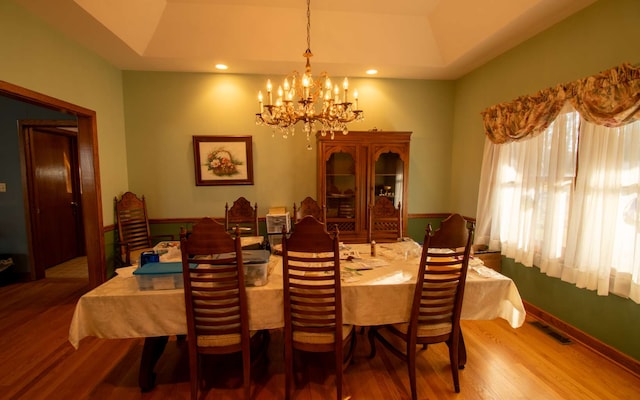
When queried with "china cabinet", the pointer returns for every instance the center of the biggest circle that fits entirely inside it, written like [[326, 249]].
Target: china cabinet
[[355, 169]]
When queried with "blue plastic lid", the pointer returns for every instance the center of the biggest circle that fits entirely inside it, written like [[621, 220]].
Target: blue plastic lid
[[158, 268]]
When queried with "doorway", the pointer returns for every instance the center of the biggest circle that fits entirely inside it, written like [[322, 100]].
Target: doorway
[[91, 203], [53, 182]]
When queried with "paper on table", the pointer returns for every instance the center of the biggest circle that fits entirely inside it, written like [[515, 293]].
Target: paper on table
[[366, 263], [348, 253], [349, 275]]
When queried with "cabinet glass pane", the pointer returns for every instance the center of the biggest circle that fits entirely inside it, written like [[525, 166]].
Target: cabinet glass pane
[[389, 177], [341, 186]]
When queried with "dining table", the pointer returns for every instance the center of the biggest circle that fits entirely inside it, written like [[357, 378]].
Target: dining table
[[376, 290]]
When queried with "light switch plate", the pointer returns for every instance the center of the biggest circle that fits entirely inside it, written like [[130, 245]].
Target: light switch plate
[[3, 187]]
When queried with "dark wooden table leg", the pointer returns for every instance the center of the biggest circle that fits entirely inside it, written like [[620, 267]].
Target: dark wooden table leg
[[462, 352], [151, 352]]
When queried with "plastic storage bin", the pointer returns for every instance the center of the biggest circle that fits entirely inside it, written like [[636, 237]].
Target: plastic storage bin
[[159, 276], [255, 267], [168, 275]]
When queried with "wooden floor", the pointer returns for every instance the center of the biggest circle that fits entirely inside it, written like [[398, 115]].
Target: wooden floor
[[37, 362]]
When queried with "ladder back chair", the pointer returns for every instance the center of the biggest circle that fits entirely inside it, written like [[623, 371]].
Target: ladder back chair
[[215, 301], [312, 299], [437, 301], [243, 215], [385, 221], [308, 206], [134, 234]]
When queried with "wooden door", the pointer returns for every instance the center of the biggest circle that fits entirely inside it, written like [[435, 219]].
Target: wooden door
[[54, 197]]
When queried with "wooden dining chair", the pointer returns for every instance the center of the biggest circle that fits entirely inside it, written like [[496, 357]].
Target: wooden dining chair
[[134, 234], [437, 300], [385, 221], [313, 300], [216, 302], [243, 215], [309, 206]]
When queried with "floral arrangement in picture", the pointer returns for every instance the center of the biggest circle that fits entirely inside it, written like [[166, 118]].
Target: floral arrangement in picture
[[221, 162]]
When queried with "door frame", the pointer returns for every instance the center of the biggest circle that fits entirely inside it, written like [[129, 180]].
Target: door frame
[[92, 219], [69, 129]]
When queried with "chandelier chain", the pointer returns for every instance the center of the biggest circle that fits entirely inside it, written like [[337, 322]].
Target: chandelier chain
[[309, 25]]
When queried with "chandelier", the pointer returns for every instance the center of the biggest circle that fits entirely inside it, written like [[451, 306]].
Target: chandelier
[[321, 106]]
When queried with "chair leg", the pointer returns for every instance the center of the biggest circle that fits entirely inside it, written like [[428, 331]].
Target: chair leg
[[246, 374], [372, 341], [411, 366], [350, 350], [462, 351], [193, 376], [339, 363], [288, 380], [454, 357]]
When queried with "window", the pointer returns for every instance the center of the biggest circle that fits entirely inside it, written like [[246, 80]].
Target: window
[[571, 210]]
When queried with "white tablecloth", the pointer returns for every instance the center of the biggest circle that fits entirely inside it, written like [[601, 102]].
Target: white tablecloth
[[382, 295]]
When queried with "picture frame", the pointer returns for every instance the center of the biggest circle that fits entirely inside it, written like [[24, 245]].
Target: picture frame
[[223, 160]]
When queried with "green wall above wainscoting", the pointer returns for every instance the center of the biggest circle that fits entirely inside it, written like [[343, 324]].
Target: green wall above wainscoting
[[164, 110]]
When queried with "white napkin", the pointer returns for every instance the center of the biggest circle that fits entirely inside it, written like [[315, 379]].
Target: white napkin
[[397, 277], [126, 272], [485, 271]]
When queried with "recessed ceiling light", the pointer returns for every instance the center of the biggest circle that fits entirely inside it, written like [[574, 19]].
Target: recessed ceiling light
[[221, 67], [372, 71]]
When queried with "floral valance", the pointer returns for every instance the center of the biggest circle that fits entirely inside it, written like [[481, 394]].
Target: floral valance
[[610, 98]]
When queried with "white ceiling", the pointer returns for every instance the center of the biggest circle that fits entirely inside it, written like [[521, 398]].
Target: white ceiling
[[413, 39]]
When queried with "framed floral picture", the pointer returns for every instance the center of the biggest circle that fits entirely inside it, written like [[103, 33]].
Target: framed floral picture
[[223, 160]]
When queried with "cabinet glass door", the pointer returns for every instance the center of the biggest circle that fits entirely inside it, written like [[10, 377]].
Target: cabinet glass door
[[389, 177], [341, 189]]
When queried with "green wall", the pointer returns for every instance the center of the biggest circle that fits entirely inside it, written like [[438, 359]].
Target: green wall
[[599, 37], [611, 319], [45, 61], [163, 110]]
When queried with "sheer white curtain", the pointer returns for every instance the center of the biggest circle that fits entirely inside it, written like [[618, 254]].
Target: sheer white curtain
[[524, 195], [583, 228], [603, 246]]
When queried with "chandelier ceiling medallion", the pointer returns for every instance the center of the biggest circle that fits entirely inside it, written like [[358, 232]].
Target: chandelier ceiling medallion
[[321, 106]]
